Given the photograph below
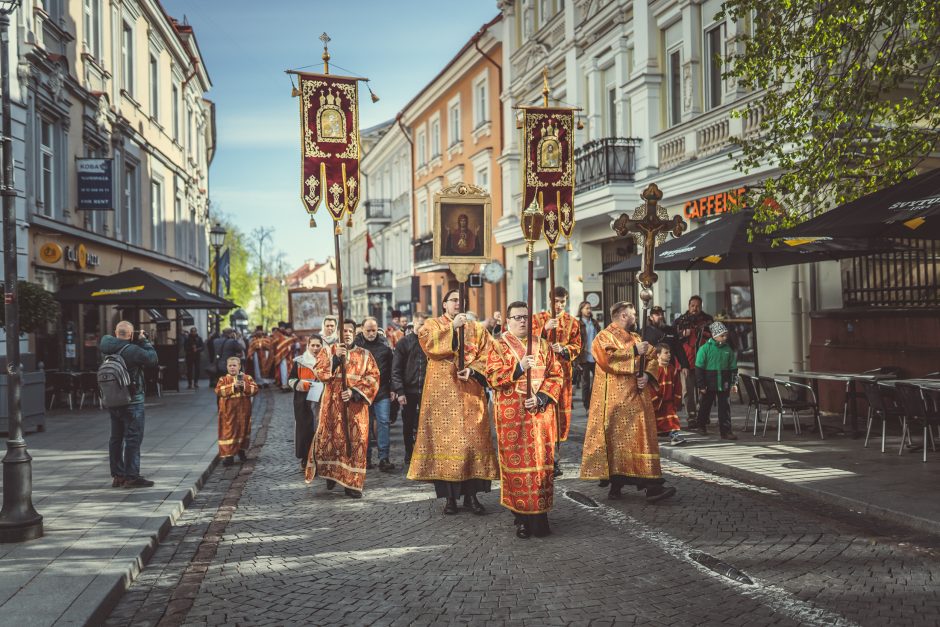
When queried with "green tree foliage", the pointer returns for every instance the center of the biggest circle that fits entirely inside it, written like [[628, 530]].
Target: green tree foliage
[[243, 285], [36, 305], [849, 91]]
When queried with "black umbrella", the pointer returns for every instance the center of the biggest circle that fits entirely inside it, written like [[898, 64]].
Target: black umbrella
[[724, 245], [141, 289], [910, 209]]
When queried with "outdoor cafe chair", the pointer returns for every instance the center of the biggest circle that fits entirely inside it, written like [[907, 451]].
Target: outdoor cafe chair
[[932, 403], [62, 384], [751, 391], [88, 385], [848, 387], [771, 393], [799, 397], [914, 405], [881, 406]]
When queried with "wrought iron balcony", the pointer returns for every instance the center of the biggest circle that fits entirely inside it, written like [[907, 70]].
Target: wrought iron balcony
[[378, 210], [424, 249], [376, 278], [605, 161]]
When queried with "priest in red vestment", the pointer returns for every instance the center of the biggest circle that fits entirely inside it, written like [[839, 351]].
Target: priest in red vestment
[[526, 427]]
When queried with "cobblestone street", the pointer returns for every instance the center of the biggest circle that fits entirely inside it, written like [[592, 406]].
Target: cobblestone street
[[288, 553]]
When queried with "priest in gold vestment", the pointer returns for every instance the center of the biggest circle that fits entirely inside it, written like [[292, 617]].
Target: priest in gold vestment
[[620, 444], [454, 447], [526, 427]]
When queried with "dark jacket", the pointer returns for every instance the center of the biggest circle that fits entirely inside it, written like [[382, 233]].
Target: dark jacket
[[585, 348], [225, 347], [716, 366], [138, 355], [192, 345], [667, 335], [383, 357], [409, 365]]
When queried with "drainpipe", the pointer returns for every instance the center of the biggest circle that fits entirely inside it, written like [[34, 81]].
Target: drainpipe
[[796, 318]]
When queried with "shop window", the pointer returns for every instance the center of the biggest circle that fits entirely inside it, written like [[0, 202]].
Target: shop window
[[906, 278]]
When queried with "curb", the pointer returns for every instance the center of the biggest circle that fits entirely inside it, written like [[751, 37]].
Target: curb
[[854, 506]]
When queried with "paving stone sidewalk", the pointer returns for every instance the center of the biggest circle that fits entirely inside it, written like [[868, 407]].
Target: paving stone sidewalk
[[293, 554], [98, 537]]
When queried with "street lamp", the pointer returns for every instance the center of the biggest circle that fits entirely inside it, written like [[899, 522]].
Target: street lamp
[[216, 239], [18, 520]]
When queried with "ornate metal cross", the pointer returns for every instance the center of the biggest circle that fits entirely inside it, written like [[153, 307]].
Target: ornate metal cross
[[650, 225]]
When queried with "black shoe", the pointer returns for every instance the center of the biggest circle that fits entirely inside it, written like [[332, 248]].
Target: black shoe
[[353, 494], [659, 493], [117, 482], [702, 429], [728, 436], [614, 492], [450, 507], [139, 482], [470, 502], [522, 531], [242, 456], [330, 484], [369, 465], [386, 466], [603, 483], [228, 461], [558, 471]]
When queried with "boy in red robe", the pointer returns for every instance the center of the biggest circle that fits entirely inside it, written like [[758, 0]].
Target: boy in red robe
[[667, 396], [234, 390]]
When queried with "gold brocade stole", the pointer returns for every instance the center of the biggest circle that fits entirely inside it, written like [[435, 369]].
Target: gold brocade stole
[[518, 350]]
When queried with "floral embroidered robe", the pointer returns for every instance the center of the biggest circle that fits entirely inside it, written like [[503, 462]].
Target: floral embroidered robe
[[526, 439], [234, 414], [260, 349], [568, 334], [621, 430], [328, 458], [454, 440], [667, 398]]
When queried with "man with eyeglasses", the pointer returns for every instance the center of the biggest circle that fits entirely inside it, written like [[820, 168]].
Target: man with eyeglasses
[[454, 448], [563, 333], [620, 445], [526, 428]]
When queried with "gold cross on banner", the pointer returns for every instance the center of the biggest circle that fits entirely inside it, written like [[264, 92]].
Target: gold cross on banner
[[650, 225]]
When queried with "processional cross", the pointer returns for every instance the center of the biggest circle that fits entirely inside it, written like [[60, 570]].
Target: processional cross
[[650, 225]]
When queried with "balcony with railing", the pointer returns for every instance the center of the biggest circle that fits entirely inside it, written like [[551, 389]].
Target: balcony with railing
[[378, 280], [605, 161], [424, 249], [378, 211]]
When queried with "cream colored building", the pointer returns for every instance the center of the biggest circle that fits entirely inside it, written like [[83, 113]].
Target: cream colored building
[[118, 80]]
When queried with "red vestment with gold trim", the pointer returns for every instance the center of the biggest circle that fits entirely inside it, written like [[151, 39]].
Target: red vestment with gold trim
[[568, 334], [234, 414], [667, 398]]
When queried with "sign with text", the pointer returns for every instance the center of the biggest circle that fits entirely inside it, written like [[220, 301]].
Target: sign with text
[[95, 184], [714, 205]]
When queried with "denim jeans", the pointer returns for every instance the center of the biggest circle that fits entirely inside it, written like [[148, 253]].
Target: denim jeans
[[378, 422], [127, 433]]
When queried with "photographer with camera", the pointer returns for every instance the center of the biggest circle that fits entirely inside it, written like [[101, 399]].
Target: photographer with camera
[[127, 421]]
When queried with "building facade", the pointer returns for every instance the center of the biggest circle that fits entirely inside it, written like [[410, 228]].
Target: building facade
[[456, 126], [122, 82]]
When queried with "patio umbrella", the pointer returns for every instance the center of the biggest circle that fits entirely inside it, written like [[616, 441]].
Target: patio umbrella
[[723, 245], [910, 209], [143, 290]]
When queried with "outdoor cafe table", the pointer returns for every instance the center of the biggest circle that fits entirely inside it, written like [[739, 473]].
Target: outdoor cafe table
[[849, 377]]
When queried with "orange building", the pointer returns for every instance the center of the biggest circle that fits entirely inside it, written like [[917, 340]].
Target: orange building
[[455, 124]]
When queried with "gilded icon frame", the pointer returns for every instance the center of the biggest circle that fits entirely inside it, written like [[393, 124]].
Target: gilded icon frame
[[449, 205]]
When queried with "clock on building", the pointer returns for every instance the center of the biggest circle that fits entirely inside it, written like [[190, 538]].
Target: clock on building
[[493, 272]]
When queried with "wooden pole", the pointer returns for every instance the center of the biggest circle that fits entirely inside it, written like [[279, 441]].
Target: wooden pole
[[552, 255], [462, 295], [529, 304], [340, 323]]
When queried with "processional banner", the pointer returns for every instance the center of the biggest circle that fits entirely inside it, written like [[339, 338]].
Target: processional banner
[[329, 121], [548, 174]]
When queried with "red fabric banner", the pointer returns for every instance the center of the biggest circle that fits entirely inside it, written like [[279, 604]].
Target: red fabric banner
[[329, 120], [548, 168]]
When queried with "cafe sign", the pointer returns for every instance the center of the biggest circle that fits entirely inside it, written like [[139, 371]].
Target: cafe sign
[[714, 205], [50, 253], [80, 256]]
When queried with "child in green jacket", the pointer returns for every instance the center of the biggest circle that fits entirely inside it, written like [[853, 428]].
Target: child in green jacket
[[716, 371]]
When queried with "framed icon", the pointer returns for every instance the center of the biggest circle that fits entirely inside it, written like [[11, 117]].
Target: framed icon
[[462, 225], [307, 307]]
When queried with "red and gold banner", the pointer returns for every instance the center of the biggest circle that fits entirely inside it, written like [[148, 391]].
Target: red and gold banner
[[548, 168], [329, 120]]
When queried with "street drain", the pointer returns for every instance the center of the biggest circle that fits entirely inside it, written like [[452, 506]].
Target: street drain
[[716, 565], [583, 499]]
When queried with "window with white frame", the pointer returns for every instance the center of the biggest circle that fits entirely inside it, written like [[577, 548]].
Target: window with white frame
[[131, 205], [189, 129], [482, 177], [91, 27], [481, 104], [436, 138], [611, 111], [127, 58], [175, 104], [45, 194], [713, 54], [545, 11], [422, 145], [423, 227], [154, 87], [675, 88], [179, 227], [453, 121], [157, 221], [193, 235]]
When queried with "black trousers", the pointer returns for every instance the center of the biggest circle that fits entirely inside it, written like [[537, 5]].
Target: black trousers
[[192, 369], [587, 382], [724, 409], [641, 483], [456, 489], [409, 422], [306, 414]]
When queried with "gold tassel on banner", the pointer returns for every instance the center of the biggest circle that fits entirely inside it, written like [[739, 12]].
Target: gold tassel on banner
[[313, 223]]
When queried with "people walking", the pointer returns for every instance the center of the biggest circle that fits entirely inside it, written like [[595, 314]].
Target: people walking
[[409, 366], [667, 395], [692, 327], [127, 422], [192, 349], [454, 447], [716, 371], [589, 329], [307, 393], [235, 390], [380, 408], [620, 445]]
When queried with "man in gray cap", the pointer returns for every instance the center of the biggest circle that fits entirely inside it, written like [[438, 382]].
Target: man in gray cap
[[716, 371]]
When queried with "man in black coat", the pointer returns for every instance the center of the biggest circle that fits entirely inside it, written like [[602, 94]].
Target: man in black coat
[[192, 347], [380, 408], [657, 331], [409, 365]]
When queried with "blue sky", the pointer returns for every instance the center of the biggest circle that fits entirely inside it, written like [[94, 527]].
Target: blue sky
[[399, 44]]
